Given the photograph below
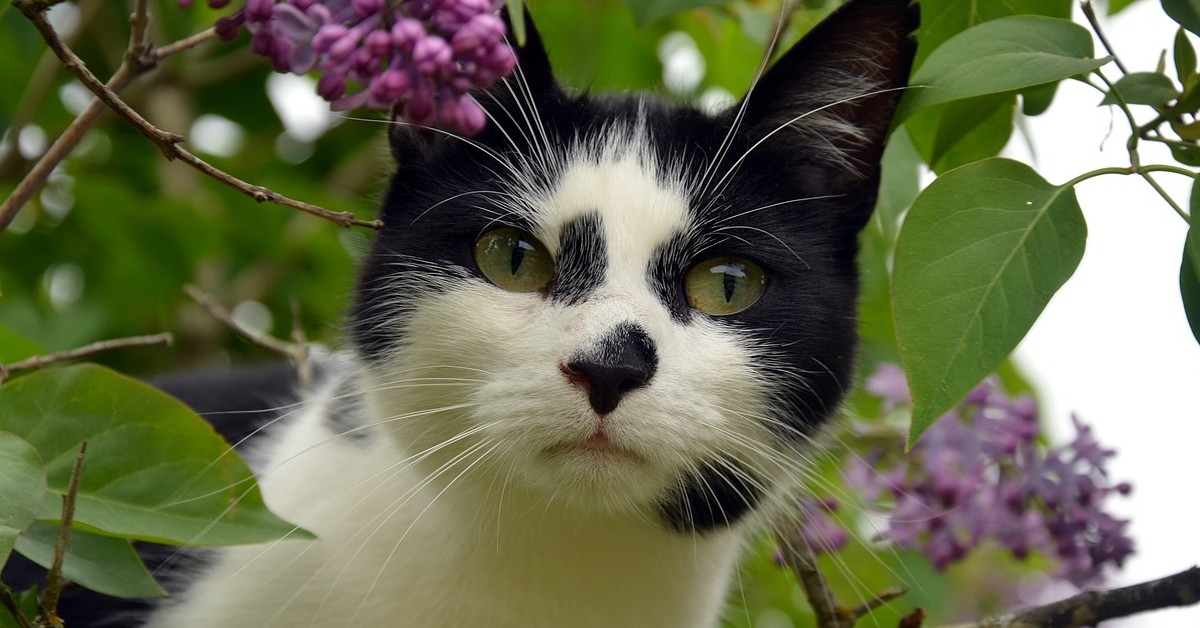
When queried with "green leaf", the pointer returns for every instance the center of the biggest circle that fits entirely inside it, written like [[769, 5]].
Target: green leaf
[[22, 489], [1189, 268], [1185, 12], [14, 347], [1036, 100], [1185, 59], [154, 470], [981, 252], [943, 19], [516, 17], [960, 132], [1114, 6], [1186, 154], [1142, 88], [647, 11], [1003, 55], [101, 563], [1189, 288]]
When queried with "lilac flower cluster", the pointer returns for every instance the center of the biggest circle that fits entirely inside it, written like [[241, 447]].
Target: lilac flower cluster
[[419, 58], [979, 474]]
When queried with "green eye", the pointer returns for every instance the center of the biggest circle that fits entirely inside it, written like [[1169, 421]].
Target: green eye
[[724, 285], [514, 260]]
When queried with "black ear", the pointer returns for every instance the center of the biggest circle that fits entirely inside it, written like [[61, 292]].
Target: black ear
[[533, 64], [831, 97], [532, 78]]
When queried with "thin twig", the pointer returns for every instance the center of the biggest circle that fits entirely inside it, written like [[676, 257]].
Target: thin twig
[[800, 558], [1093, 607], [297, 352], [54, 580], [881, 598], [166, 142], [14, 607], [1166, 197], [37, 362], [41, 81], [66, 142], [1090, 14], [304, 369]]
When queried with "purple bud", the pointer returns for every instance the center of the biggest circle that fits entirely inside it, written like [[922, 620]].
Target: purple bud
[[227, 28], [215, 4], [331, 86], [327, 35], [259, 11], [406, 33], [379, 43], [432, 55], [389, 87], [363, 8]]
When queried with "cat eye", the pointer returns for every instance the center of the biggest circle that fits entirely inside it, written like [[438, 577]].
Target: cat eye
[[724, 285], [514, 260]]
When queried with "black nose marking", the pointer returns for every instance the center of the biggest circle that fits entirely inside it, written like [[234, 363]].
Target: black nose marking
[[624, 360]]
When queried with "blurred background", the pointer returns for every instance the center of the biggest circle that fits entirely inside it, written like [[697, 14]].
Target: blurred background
[[105, 249]]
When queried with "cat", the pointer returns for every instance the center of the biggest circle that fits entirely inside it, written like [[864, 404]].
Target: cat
[[591, 348]]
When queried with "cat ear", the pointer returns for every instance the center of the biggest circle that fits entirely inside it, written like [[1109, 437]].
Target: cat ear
[[532, 77], [533, 64], [830, 99]]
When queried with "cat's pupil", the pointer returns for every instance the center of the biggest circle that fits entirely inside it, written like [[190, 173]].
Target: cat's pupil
[[518, 255], [730, 275]]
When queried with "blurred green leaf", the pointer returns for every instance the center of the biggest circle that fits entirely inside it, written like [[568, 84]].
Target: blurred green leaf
[[1185, 59], [1000, 56], [1185, 12], [1142, 88], [516, 17], [647, 11], [186, 486], [981, 252], [14, 346], [100, 563], [27, 601], [22, 489], [1115, 6]]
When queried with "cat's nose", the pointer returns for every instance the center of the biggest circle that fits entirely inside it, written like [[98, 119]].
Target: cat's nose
[[624, 360]]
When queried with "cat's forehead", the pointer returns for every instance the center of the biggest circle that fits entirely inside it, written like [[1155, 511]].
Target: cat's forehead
[[614, 184]]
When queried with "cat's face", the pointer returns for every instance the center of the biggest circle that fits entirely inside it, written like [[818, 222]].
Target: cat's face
[[628, 305]]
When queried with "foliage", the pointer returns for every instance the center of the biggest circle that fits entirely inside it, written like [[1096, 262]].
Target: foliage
[[105, 248]]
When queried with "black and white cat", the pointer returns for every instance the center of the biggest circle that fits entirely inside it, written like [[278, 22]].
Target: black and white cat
[[590, 348]]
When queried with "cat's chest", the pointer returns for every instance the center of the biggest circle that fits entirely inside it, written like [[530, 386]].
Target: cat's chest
[[395, 548]]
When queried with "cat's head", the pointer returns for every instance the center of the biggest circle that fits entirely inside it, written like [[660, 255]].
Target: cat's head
[[633, 305]]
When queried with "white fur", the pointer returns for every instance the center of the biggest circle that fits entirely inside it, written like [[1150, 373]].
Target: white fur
[[483, 508]]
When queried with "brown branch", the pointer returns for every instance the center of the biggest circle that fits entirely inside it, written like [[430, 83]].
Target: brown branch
[[39, 361], [167, 143], [1093, 607], [14, 607], [803, 563], [296, 351], [54, 580]]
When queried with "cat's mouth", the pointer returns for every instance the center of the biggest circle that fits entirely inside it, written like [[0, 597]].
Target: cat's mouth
[[598, 447]]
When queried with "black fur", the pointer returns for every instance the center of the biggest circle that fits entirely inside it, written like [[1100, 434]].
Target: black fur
[[582, 259]]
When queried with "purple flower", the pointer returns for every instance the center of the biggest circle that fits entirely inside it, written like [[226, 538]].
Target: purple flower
[[980, 474], [419, 59]]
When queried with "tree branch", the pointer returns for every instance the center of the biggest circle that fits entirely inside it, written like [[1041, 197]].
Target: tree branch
[[803, 563], [296, 351], [39, 361], [1093, 607], [167, 143], [14, 607], [54, 580]]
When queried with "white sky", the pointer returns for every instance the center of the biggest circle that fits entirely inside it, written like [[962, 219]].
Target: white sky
[[1114, 345]]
